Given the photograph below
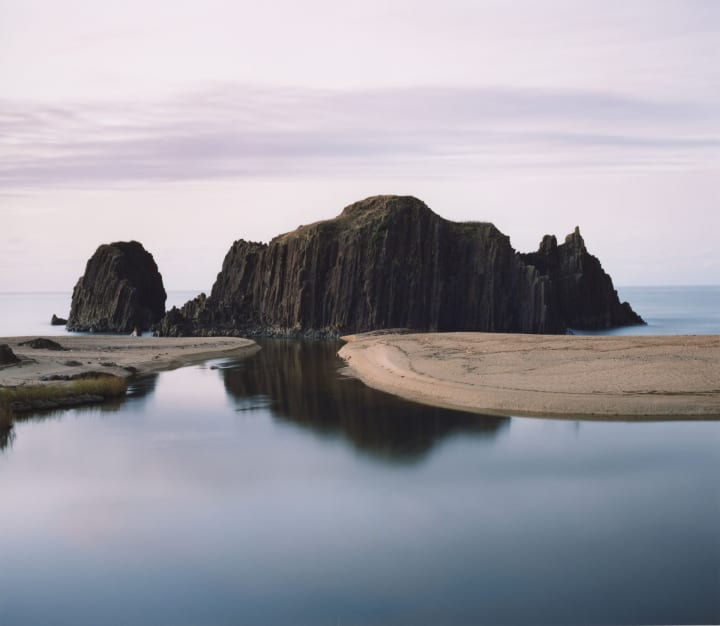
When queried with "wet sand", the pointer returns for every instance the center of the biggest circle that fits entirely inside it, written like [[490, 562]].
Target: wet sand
[[114, 354], [664, 377]]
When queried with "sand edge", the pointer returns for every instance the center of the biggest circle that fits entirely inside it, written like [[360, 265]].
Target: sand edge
[[115, 354], [565, 376]]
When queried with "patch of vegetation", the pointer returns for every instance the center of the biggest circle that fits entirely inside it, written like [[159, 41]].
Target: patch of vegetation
[[5, 419], [37, 397]]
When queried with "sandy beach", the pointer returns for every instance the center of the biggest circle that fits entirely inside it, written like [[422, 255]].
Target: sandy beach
[[646, 377], [114, 354]]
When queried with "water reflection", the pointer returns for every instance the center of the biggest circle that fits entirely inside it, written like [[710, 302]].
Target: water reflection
[[7, 433], [299, 381], [201, 508], [139, 388]]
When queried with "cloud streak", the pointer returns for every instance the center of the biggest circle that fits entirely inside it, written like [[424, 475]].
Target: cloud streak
[[236, 132]]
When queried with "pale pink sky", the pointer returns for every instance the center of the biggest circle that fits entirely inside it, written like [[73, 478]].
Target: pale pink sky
[[186, 125]]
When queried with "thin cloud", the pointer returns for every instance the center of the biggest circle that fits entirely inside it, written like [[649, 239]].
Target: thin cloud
[[251, 132]]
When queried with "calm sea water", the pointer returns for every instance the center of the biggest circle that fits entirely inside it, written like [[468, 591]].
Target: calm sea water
[[30, 313], [667, 310], [672, 310], [274, 490]]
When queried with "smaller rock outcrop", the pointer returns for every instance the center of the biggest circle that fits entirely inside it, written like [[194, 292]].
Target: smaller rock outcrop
[[41, 343], [7, 356], [183, 321], [582, 292], [120, 290], [57, 321]]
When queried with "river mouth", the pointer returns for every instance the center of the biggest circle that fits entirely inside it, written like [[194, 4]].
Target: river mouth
[[275, 490]]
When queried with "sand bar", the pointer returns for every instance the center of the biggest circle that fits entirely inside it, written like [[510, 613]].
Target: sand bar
[[113, 354], [571, 376]]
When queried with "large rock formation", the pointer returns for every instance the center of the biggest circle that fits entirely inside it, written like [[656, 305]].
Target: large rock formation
[[390, 262], [120, 290]]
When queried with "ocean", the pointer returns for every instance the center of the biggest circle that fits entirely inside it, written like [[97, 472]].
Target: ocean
[[669, 310], [275, 490], [30, 313], [686, 310]]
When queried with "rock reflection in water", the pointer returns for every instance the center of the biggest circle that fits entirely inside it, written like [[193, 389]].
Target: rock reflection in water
[[299, 381], [140, 387]]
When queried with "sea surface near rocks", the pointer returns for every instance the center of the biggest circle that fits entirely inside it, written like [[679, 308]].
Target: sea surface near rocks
[[29, 313], [276, 491], [673, 310], [668, 310]]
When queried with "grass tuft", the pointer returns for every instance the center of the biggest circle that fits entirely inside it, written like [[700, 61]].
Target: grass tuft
[[5, 418], [105, 387]]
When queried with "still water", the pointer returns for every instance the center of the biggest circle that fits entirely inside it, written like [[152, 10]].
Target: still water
[[670, 310], [675, 310], [275, 490], [30, 313]]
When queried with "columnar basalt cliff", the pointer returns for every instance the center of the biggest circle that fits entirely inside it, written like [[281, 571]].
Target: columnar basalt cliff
[[121, 290], [390, 262], [584, 294]]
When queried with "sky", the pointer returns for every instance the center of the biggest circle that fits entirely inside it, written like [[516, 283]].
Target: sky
[[186, 125]]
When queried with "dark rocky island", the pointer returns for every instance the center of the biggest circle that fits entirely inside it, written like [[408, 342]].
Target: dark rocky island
[[390, 262], [121, 290]]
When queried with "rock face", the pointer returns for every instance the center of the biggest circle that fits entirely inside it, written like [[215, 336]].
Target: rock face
[[583, 293], [120, 290], [390, 262], [183, 321]]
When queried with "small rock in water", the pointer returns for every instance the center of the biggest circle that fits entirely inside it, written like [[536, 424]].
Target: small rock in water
[[57, 321]]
